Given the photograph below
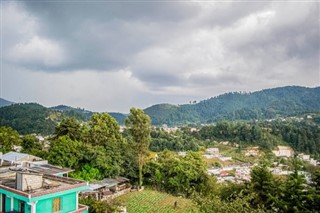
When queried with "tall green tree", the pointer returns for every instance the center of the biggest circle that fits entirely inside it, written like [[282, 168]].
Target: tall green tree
[[104, 132], [139, 128], [65, 152], [70, 127]]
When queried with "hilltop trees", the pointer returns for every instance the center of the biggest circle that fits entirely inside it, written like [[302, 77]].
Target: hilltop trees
[[139, 128]]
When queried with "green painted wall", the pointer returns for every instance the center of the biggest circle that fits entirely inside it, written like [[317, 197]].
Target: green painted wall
[[68, 203], [8, 204], [45, 203], [16, 204]]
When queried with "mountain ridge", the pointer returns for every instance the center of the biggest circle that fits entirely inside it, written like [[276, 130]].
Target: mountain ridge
[[263, 104], [4, 102]]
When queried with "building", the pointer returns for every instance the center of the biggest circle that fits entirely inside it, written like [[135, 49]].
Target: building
[[32, 163], [284, 151], [213, 151], [28, 192], [252, 151], [107, 188]]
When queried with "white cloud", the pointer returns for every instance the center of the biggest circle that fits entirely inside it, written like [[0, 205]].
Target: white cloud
[[38, 51]]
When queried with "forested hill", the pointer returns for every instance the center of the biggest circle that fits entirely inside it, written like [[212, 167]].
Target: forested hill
[[265, 104], [33, 118], [4, 102]]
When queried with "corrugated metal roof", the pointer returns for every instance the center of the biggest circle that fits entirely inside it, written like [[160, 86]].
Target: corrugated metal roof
[[13, 156], [49, 169]]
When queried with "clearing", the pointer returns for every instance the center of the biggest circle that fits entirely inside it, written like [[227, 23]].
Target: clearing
[[149, 201]]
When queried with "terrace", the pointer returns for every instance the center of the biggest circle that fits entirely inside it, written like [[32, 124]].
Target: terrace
[[31, 184]]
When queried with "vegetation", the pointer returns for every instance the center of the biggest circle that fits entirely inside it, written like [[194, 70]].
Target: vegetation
[[32, 118], [179, 175], [28, 118], [139, 127], [265, 104], [149, 201], [181, 140], [97, 149], [8, 138]]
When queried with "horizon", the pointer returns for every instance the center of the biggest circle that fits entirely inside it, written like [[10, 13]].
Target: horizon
[[123, 54], [127, 112]]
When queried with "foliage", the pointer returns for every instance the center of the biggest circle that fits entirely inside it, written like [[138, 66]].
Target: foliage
[[8, 138], [241, 204], [139, 127], [97, 206], [178, 175], [180, 140], [27, 118], [107, 144], [265, 104], [69, 127], [31, 145], [65, 152], [87, 173]]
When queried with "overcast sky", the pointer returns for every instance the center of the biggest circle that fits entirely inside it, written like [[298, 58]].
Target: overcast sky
[[110, 56]]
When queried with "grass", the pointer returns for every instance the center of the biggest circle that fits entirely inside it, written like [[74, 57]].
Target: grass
[[153, 201]]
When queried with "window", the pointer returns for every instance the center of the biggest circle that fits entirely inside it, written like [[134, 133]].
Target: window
[[56, 204]]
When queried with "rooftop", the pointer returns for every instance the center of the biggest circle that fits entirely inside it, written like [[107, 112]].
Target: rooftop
[[31, 184], [49, 169], [16, 157]]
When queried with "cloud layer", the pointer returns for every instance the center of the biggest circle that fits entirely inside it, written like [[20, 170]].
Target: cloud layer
[[109, 56]]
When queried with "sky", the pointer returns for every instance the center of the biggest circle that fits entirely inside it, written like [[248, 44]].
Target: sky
[[114, 55]]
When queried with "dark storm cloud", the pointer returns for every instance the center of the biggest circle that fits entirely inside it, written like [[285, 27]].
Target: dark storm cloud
[[105, 35]]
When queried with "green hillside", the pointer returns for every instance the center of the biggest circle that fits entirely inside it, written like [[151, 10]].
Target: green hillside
[[265, 104], [29, 118], [4, 102]]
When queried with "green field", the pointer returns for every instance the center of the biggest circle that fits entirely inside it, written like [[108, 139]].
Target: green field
[[149, 201]]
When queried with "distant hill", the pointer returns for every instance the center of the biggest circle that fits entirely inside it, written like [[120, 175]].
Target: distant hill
[[4, 102], [264, 104], [30, 118], [85, 115], [80, 114], [120, 118]]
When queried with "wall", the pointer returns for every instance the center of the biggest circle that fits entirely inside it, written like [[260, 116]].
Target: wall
[[68, 203]]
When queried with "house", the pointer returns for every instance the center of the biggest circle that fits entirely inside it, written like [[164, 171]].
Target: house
[[213, 151], [252, 151], [32, 163], [107, 189], [19, 158], [304, 157], [29, 192], [284, 151]]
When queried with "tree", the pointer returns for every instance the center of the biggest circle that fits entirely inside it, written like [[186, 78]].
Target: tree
[[65, 152], [104, 132], [139, 127], [31, 145], [263, 184], [8, 138], [69, 127]]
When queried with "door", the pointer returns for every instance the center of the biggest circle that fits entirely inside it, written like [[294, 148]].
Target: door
[[3, 203], [21, 206]]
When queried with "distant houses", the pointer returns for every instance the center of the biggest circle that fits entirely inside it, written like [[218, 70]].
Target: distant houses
[[252, 151], [283, 151]]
